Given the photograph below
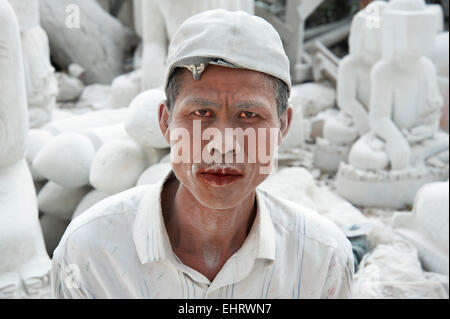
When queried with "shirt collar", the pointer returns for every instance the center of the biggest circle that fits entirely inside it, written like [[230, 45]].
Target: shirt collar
[[152, 241], [149, 232]]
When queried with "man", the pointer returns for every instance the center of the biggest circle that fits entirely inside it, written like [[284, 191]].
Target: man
[[206, 231]]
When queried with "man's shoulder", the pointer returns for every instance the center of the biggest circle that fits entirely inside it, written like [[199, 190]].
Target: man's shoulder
[[298, 220], [105, 216]]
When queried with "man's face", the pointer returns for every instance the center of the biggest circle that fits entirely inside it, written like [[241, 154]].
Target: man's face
[[231, 119]]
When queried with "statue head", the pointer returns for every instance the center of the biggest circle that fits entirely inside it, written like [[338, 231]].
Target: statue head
[[409, 30], [365, 33]]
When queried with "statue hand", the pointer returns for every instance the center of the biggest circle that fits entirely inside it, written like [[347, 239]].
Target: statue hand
[[435, 102], [418, 133], [399, 153]]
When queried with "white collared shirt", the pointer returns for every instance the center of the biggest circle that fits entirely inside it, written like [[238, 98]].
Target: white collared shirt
[[119, 248]]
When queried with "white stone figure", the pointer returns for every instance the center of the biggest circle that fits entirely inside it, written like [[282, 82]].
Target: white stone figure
[[138, 25], [313, 98], [118, 165], [37, 139], [427, 227], [353, 89], [124, 88], [393, 271], [94, 96], [142, 122], [89, 120], [90, 199], [66, 160], [296, 184], [24, 263], [404, 148], [41, 84], [297, 133], [59, 201], [161, 19], [440, 56], [87, 35], [69, 87]]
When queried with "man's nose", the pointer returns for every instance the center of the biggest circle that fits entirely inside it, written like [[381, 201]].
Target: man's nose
[[226, 144]]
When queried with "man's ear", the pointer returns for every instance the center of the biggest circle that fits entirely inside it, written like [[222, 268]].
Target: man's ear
[[285, 124], [163, 117]]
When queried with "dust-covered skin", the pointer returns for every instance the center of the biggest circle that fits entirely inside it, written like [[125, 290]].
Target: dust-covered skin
[[207, 222]]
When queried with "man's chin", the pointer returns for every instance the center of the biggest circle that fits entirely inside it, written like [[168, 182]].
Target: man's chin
[[219, 198]]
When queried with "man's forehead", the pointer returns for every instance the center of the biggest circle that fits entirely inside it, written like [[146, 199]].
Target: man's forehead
[[218, 82], [219, 79]]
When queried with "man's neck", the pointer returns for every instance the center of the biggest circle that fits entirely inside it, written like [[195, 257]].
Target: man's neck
[[204, 238]]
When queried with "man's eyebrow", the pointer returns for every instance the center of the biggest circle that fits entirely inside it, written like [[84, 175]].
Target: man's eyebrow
[[202, 102], [238, 105], [249, 104]]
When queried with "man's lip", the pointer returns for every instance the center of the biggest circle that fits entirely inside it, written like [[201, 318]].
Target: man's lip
[[220, 177], [222, 172]]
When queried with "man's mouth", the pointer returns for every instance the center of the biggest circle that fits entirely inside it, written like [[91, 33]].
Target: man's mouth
[[220, 176]]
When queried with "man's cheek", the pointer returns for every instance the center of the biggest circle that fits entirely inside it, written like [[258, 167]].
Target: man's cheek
[[180, 146]]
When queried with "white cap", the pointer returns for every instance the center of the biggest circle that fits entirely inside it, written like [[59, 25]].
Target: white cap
[[230, 39]]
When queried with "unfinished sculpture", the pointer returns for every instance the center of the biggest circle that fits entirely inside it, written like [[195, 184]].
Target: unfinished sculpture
[[118, 165], [353, 89], [41, 84], [24, 263], [142, 122], [59, 201], [427, 226], [66, 158], [96, 41], [161, 19], [404, 148], [440, 57], [37, 139]]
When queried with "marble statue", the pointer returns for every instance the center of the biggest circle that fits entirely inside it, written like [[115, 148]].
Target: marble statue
[[37, 139], [66, 157], [118, 165], [41, 85], [353, 89], [439, 54], [142, 122], [66, 160], [24, 263], [88, 36], [161, 19], [90, 199], [59, 201], [427, 226], [404, 148]]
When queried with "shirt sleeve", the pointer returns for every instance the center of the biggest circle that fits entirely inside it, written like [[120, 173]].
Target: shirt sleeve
[[339, 281]]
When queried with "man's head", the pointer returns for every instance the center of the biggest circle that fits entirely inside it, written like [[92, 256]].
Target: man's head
[[226, 109]]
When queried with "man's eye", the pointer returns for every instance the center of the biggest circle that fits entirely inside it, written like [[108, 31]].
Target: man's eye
[[203, 113], [246, 115]]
